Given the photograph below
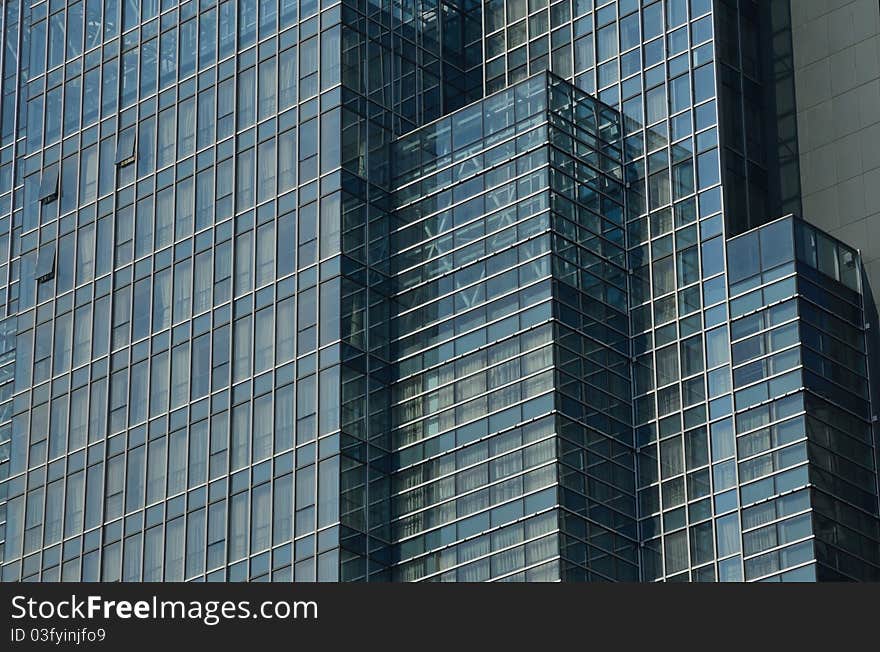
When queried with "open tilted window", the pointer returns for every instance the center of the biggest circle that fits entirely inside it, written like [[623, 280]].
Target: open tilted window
[[49, 185], [125, 147], [46, 263]]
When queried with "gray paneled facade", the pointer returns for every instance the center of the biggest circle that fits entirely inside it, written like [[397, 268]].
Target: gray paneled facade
[[837, 78], [440, 290]]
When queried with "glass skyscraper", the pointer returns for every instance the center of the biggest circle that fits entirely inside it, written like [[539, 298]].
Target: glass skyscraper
[[468, 290]]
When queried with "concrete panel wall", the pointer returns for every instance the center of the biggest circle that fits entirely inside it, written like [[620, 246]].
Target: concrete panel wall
[[837, 84]]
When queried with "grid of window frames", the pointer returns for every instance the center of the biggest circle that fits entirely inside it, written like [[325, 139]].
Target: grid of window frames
[[512, 214], [198, 320], [166, 286], [596, 456], [800, 373], [655, 61], [397, 72], [183, 309], [753, 39], [11, 36], [474, 346]]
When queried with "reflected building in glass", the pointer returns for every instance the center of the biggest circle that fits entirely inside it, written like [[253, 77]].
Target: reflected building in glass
[[510, 290]]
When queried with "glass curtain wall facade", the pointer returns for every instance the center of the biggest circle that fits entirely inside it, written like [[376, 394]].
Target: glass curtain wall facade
[[511, 427], [442, 291], [802, 363], [698, 83], [196, 199]]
